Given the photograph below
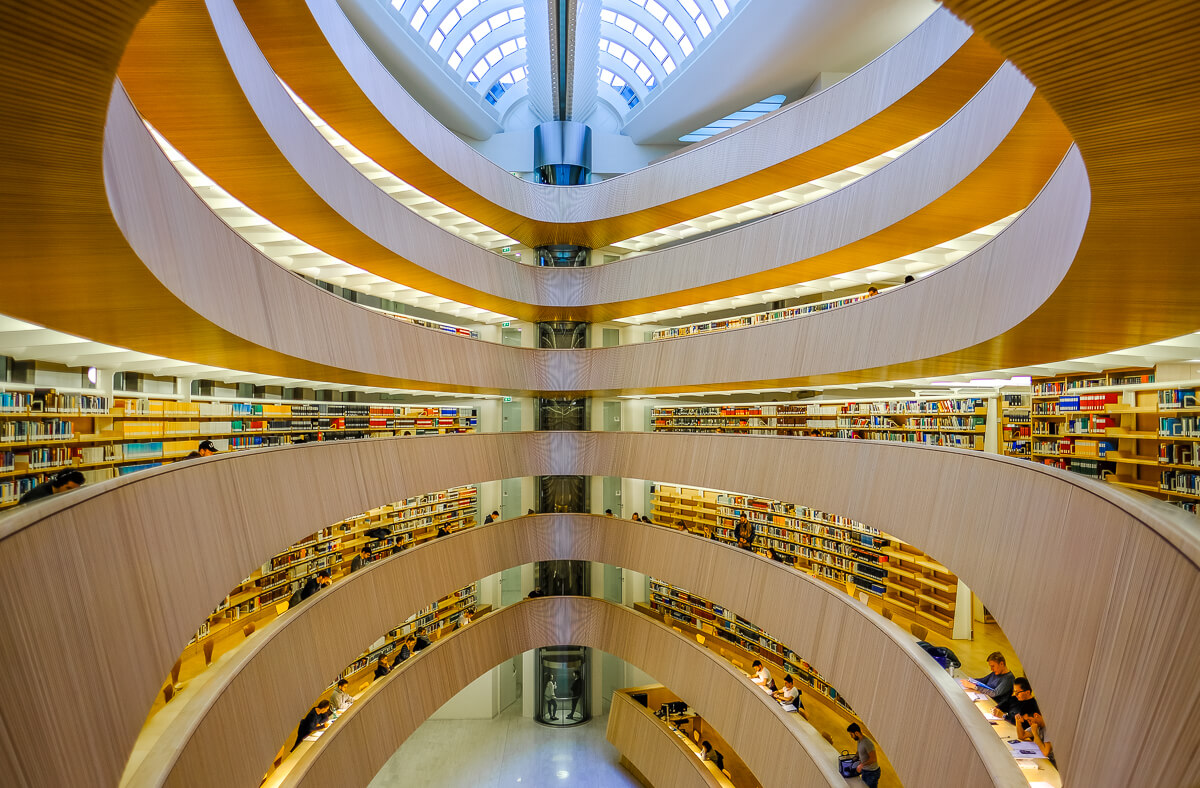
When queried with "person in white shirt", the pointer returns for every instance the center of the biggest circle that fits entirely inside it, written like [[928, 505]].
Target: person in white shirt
[[789, 696], [762, 676], [340, 699]]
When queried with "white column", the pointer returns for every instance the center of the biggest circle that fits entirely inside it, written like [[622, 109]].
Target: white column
[[991, 429], [962, 613]]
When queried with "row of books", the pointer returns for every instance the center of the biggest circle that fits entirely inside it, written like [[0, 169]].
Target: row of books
[[957, 440], [1181, 482], [38, 430], [755, 319], [1084, 402], [51, 401], [1179, 427], [1176, 398], [1090, 425], [964, 405], [1179, 454]]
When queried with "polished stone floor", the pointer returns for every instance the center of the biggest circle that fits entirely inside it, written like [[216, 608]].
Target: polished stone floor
[[509, 750]]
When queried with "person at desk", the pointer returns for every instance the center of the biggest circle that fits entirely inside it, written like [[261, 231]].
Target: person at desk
[[464, 619], [998, 684], [420, 642], [340, 700], [868, 760], [57, 484], [442, 530], [382, 667], [535, 593], [361, 560], [205, 449], [762, 676], [1021, 693], [406, 650], [744, 532], [789, 696], [706, 750], [1032, 727], [316, 719]]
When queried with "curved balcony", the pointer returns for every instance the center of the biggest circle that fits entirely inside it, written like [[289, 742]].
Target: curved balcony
[[907, 91], [143, 563], [838, 635]]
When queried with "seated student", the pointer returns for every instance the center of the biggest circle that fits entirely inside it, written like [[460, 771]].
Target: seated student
[[316, 719], [420, 642], [529, 512], [315, 583], [442, 530], [646, 519], [872, 291], [205, 449], [361, 560], [1032, 727], [762, 676], [1021, 693], [407, 649], [62, 482], [706, 750], [637, 518], [464, 619], [340, 700], [998, 684], [383, 667], [789, 696], [535, 593], [608, 513]]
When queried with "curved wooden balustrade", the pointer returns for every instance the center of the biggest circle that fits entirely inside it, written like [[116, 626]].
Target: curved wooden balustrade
[[843, 639], [780, 752], [916, 202], [908, 91], [653, 749], [1106, 628], [194, 254]]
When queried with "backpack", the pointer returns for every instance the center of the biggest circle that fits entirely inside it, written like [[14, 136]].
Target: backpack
[[848, 764]]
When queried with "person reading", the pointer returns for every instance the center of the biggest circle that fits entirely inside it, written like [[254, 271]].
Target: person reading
[[789, 696], [316, 719], [998, 684], [762, 676], [59, 483]]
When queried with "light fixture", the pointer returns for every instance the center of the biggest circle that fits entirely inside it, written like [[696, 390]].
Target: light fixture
[[93, 375]]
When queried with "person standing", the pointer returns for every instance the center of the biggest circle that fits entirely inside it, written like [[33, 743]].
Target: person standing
[[868, 760], [551, 701], [576, 694], [744, 532]]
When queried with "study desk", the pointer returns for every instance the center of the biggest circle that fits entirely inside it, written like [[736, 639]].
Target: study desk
[[1038, 771]]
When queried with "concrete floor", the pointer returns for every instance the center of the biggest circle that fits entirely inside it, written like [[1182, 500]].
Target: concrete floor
[[509, 750]]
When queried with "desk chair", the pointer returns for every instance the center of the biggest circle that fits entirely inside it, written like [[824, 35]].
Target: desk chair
[[921, 632], [700, 639], [208, 652], [866, 600], [168, 693], [175, 670], [248, 630], [827, 736], [887, 613], [725, 772], [363, 687]]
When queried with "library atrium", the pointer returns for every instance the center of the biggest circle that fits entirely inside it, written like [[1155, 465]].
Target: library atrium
[[653, 393]]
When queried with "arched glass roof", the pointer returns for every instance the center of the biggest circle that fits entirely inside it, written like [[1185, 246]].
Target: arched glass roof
[[642, 42], [734, 119]]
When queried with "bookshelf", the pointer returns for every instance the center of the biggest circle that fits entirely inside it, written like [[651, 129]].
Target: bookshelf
[[44, 431], [407, 523], [846, 554], [745, 321], [708, 618], [1016, 425], [960, 422], [1124, 427]]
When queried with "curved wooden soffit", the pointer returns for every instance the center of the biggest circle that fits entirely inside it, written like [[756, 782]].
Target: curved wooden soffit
[[844, 640], [652, 749], [778, 751], [193, 253], [600, 213], [741, 260], [1107, 635]]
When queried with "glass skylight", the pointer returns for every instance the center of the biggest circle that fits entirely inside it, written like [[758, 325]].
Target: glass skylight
[[642, 42], [756, 110]]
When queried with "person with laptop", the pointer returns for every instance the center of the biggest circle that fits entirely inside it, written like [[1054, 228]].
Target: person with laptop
[[998, 684], [789, 696]]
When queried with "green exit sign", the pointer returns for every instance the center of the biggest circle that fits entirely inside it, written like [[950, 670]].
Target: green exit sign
[[508, 399], [506, 250], [505, 324]]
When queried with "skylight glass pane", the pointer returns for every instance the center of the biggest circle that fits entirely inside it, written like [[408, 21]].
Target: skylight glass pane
[[705, 28], [643, 73], [691, 7], [516, 13], [722, 8], [735, 119], [466, 7], [659, 50], [450, 21], [615, 49], [508, 47], [686, 45], [436, 40], [464, 46], [493, 57], [631, 60], [520, 42], [608, 16], [618, 81], [673, 28], [606, 76], [479, 70], [625, 23], [429, 4], [498, 20], [643, 35], [656, 10], [453, 60], [419, 18], [669, 65], [480, 31]]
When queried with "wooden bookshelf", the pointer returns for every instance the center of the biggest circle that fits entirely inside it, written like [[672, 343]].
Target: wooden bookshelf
[[958, 422], [1016, 425], [846, 554], [708, 618], [1124, 427], [46, 432], [407, 523]]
